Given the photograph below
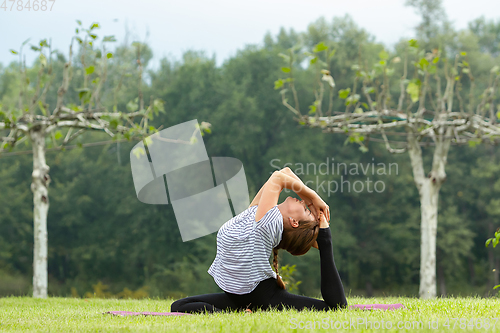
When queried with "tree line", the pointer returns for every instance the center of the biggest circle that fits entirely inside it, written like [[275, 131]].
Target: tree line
[[99, 231]]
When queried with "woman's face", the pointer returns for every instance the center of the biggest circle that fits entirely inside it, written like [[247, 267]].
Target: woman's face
[[297, 209]]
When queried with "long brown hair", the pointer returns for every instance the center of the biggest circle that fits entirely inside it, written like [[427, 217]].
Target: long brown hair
[[296, 241]]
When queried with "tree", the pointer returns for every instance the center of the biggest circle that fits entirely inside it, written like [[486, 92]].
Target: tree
[[433, 18], [488, 33], [414, 117], [29, 118]]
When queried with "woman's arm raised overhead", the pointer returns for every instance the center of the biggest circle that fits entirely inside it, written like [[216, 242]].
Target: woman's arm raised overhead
[[315, 203], [288, 171], [271, 192], [256, 199]]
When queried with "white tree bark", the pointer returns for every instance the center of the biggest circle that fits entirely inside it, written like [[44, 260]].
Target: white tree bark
[[428, 189], [429, 195], [39, 187]]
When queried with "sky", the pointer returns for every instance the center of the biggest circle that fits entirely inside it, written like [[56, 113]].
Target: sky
[[219, 27]]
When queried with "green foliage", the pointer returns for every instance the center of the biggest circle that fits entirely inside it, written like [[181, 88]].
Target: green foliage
[[413, 89], [474, 142], [42, 108], [133, 105], [320, 47], [114, 123], [84, 95], [413, 43], [278, 83], [100, 290], [287, 273], [99, 231], [435, 51], [352, 99], [358, 138], [89, 70], [344, 93], [109, 39], [383, 55], [158, 106], [185, 276], [494, 240]]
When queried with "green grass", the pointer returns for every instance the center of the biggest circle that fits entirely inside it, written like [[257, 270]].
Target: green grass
[[79, 315]]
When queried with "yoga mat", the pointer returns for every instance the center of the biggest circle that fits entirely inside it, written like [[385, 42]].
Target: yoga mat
[[384, 307], [130, 313]]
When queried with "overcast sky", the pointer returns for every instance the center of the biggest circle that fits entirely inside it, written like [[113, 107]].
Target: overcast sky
[[216, 26]]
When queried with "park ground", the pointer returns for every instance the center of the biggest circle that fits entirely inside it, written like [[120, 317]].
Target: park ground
[[86, 315]]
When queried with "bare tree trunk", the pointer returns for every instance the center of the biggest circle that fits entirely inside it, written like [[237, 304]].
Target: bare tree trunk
[[428, 189], [429, 195], [118, 153], [39, 187]]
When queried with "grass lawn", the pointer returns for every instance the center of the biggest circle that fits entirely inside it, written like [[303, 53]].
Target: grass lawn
[[75, 314]]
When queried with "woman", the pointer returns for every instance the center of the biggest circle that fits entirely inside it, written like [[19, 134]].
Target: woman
[[244, 244]]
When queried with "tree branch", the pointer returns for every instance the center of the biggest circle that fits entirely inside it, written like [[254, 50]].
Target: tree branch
[[388, 146], [402, 82], [65, 81], [415, 153]]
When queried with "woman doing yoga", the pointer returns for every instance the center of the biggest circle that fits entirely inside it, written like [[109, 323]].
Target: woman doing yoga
[[244, 244]]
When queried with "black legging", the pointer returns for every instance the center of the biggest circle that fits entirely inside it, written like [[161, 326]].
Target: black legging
[[268, 294]]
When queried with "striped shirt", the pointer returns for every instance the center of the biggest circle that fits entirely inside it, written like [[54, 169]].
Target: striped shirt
[[244, 247]]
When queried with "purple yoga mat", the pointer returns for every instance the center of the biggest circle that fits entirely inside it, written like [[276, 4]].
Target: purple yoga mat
[[384, 307], [130, 313]]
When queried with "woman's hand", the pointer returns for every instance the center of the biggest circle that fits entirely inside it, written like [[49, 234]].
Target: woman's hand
[[321, 207], [323, 223]]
